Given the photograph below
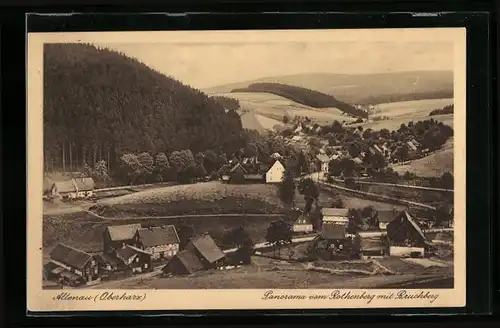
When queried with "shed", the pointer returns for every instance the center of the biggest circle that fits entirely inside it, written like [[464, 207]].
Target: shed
[[75, 261], [207, 250], [184, 262]]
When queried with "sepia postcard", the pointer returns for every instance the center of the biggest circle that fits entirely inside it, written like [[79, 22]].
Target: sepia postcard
[[276, 169]]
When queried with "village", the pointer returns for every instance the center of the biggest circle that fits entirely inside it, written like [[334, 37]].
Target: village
[[307, 234]]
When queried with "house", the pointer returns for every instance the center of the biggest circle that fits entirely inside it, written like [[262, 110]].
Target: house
[[108, 263], [405, 235], [358, 161], [73, 189], [184, 262], [224, 172], [210, 255], [84, 187], [276, 156], [378, 149], [382, 218], [411, 146], [336, 216], [323, 160], [276, 173], [64, 190], [303, 223], [443, 238], [76, 266], [160, 242], [115, 237], [134, 258], [250, 160]]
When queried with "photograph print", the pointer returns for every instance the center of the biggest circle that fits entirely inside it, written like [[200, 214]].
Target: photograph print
[[274, 169]]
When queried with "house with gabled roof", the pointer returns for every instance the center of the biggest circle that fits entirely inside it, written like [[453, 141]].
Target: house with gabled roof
[[160, 242], [134, 258], [74, 265], [115, 236], [73, 189], [303, 223], [275, 173], [405, 236], [210, 255], [183, 263]]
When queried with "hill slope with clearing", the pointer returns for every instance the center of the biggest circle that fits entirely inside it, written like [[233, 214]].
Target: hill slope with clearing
[[364, 88], [274, 107], [304, 96]]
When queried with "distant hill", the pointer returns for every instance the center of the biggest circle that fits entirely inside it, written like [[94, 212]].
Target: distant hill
[[304, 96], [100, 103], [364, 88]]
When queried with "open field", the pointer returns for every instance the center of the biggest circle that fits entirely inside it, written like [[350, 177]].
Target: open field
[[395, 123], [408, 109], [275, 107], [431, 166], [84, 230]]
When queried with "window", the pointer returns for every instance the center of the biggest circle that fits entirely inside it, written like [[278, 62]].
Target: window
[[137, 259], [145, 265]]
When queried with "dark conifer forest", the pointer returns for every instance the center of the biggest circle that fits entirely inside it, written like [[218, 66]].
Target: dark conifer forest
[[304, 96], [100, 104]]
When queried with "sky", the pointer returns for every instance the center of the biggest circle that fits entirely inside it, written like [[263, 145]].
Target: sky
[[204, 65]]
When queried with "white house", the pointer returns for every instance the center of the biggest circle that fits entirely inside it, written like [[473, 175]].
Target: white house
[[337, 216], [276, 173], [302, 224], [324, 161]]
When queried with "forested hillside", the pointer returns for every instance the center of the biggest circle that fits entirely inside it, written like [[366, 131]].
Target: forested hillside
[[303, 96], [100, 104]]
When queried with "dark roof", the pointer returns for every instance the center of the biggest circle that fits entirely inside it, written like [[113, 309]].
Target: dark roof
[[333, 231], [156, 236], [235, 167], [123, 232], [107, 259], [398, 227], [84, 184], [189, 260], [207, 248], [385, 216], [225, 169], [70, 256]]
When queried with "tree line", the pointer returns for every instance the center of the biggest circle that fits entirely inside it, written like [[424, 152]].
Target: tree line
[[441, 111]]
